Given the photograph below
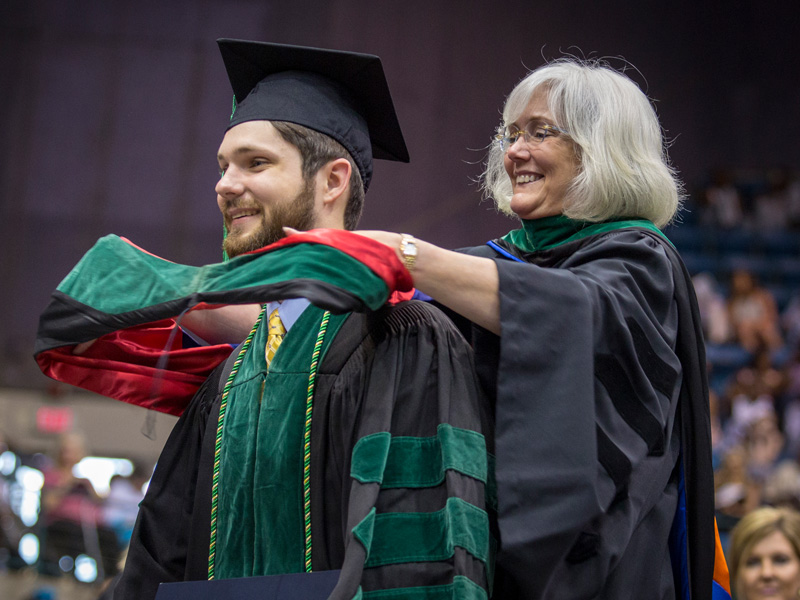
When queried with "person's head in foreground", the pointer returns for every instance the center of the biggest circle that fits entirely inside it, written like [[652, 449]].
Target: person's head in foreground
[[298, 151], [579, 138], [765, 555]]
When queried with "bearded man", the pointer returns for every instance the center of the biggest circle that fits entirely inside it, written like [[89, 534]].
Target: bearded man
[[329, 439]]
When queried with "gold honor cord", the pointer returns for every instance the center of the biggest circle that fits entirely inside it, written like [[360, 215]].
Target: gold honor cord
[[212, 547], [312, 380]]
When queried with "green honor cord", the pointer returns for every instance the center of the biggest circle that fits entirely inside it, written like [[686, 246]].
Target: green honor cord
[[312, 379], [212, 548]]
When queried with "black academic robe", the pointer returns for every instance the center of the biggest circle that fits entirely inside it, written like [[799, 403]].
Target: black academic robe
[[599, 384], [403, 375]]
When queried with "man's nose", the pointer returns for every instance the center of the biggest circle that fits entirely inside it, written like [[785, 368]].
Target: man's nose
[[230, 184]]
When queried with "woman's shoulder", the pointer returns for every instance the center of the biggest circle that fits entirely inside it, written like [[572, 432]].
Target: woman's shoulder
[[482, 250], [630, 243]]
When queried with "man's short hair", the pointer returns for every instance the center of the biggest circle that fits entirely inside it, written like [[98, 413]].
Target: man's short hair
[[317, 150]]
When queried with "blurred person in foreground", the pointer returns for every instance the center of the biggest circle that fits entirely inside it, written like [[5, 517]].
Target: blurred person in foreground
[[347, 434], [11, 526], [765, 555], [121, 506], [72, 513], [588, 338]]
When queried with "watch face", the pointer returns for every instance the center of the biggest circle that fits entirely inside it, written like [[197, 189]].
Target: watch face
[[408, 248]]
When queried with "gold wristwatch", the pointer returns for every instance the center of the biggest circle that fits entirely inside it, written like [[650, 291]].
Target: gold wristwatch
[[408, 250]]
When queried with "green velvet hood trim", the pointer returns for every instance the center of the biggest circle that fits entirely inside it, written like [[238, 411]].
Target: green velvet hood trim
[[117, 277], [462, 588], [542, 234], [392, 538], [416, 462]]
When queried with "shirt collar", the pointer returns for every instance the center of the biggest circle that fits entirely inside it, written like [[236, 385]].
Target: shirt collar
[[288, 310]]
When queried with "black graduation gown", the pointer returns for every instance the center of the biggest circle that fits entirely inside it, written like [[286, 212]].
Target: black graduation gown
[[599, 384], [404, 370]]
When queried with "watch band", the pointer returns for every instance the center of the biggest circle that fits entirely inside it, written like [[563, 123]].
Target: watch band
[[408, 250]]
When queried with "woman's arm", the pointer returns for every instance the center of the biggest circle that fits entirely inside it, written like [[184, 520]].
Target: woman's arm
[[469, 285]]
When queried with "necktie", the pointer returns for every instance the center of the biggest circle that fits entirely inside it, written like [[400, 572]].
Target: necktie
[[275, 333]]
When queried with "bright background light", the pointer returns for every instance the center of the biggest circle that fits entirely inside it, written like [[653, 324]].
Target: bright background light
[[85, 569], [31, 480], [26, 497], [29, 548], [66, 563], [8, 462], [100, 470]]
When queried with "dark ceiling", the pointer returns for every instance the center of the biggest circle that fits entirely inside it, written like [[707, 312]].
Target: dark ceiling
[[113, 111]]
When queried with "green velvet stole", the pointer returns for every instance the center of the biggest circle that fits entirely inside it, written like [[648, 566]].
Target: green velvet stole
[[549, 232], [260, 526]]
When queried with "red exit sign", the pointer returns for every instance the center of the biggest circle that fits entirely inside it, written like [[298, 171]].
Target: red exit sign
[[52, 419]]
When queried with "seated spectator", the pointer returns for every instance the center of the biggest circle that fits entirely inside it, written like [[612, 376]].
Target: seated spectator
[[793, 201], [722, 202], [771, 210], [791, 373], [790, 321], [791, 428], [765, 555], [764, 445], [752, 390], [753, 313], [782, 487], [716, 425], [713, 312], [791, 404], [769, 380], [736, 493]]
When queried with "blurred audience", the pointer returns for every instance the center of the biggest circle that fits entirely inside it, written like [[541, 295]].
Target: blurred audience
[[753, 334]]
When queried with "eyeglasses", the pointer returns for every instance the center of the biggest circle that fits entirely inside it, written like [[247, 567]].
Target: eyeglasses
[[531, 138]]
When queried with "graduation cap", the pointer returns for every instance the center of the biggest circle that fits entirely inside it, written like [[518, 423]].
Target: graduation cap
[[343, 95]]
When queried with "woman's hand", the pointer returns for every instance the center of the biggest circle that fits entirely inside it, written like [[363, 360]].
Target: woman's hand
[[384, 237]]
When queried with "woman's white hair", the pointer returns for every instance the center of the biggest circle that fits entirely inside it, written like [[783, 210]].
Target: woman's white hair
[[624, 169]]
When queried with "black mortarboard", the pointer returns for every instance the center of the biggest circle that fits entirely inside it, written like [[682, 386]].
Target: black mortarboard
[[341, 94]]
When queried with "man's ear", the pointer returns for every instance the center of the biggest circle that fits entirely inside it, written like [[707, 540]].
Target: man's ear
[[336, 179]]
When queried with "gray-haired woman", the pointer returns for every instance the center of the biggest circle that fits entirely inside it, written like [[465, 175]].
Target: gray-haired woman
[[588, 339]]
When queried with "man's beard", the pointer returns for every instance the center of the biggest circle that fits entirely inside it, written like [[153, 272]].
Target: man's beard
[[297, 213]]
